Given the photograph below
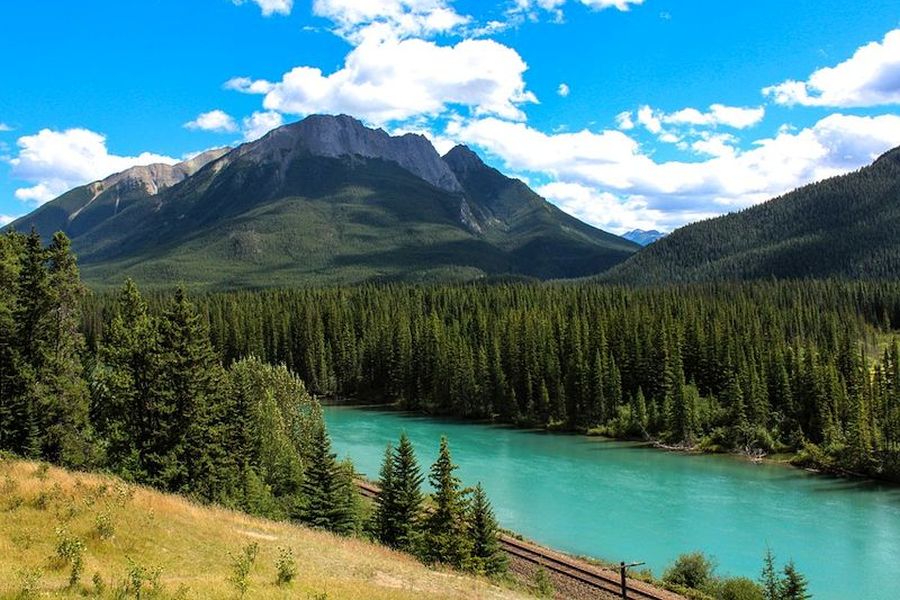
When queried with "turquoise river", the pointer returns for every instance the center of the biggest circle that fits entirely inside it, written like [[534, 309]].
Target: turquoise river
[[620, 501]]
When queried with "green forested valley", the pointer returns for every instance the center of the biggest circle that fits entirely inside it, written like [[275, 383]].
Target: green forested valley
[[761, 368]]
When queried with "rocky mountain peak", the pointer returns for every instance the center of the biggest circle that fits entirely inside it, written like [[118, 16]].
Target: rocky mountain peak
[[155, 177], [461, 159], [341, 135]]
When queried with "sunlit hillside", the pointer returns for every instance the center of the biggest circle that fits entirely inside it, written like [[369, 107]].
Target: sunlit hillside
[[131, 538]]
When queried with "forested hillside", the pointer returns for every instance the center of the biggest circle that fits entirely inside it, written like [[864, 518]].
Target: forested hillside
[[842, 227], [767, 367]]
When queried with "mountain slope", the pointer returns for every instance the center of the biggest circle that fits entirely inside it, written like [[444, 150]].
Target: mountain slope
[[327, 200], [847, 226], [190, 545]]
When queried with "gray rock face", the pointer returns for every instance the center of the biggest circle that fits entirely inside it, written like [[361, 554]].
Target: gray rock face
[[462, 160], [156, 177], [336, 136]]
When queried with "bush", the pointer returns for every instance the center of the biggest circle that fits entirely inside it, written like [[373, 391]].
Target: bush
[[693, 570], [285, 566], [241, 567], [70, 550], [29, 579], [140, 582], [739, 588], [543, 584], [104, 526]]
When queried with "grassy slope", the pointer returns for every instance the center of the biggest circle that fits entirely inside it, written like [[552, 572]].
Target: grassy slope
[[190, 545]]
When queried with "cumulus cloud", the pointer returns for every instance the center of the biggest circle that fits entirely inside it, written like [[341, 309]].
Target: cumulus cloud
[[56, 161], [5, 127], [260, 123], [563, 90], [217, 121], [554, 7], [612, 162], [386, 80], [735, 117], [357, 20], [871, 77], [272, 7]]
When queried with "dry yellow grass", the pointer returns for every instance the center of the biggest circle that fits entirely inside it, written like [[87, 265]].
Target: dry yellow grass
[[190, 545]]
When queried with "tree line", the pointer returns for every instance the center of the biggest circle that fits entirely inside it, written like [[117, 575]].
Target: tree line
[[811, 367]]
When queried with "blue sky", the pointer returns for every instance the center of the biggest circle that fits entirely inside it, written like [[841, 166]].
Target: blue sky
[[626, 113]]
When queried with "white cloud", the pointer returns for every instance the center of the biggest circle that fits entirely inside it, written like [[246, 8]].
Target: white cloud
[[272, 7], [6, 220], [871, 77], [563, 90], [215, 120], [736, 117], [614, 163], [260, 123], [56, 161], [381, 19], [610, 212], [554, 7], [5, 127], [625, 121], [386, 80]]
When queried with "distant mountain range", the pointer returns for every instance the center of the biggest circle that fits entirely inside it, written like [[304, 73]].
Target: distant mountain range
[[323, 200], [846, 227], [643, 237]]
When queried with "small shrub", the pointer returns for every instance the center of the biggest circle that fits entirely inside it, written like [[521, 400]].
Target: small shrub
[[123, 493], [140, 582], [29, 580], [739, 588], [285, 566], [99, 584], [543, 584], [41, 471], [70, 550], [318, 596], [241, 565], [693, 570], [43, 500], [104, 527]]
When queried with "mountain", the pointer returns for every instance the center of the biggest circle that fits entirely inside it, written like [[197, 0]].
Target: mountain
[[844, 227], [643, 237], [323, 200]]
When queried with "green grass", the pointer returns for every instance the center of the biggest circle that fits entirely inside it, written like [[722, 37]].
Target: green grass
[[182, 549]]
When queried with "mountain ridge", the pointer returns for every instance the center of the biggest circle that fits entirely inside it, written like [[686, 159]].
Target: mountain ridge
[[328, 200], [843, 227]]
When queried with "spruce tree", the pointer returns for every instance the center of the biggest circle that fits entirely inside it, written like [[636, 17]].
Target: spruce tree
[[793, 586], [446, 536], [324, 488], [769, 580], [383, 520], [408, 494], [487, 557]]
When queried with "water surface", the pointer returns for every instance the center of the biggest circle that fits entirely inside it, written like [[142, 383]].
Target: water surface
[[619, 501]]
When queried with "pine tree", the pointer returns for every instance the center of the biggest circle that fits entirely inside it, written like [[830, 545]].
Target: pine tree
[[324, 487], [383, 520], [487, 557], [446, 536], [408, 494], [769, 580], [793, 586]]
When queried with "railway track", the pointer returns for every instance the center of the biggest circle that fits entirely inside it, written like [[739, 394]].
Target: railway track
[[580, 572]]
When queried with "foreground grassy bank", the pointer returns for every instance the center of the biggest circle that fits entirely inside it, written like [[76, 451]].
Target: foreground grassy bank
[[135, 542]]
